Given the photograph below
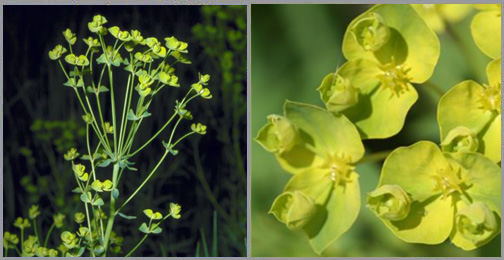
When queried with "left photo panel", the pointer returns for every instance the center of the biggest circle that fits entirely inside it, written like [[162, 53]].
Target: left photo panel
[[125, 131]]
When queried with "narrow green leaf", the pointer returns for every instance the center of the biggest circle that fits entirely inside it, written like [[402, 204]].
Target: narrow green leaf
[[126, 216]]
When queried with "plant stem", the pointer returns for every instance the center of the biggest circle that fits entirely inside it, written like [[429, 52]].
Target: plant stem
[[143, 183], [48, 234], [112, 213], [435, 88], [35, 230], [90, 230], [137, 245], [375, 157], [112, 101], [6, 251], [22, 240], [155, 135], [123, 116]]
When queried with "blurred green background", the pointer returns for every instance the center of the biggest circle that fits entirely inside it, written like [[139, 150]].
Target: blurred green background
[[293, 48]]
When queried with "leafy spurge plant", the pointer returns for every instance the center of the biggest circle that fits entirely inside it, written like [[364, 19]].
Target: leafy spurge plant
[[150, 67]]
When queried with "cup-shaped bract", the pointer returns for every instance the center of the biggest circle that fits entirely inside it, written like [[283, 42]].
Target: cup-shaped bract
[[385, 96], [390, 202], [476, 107], [338, 93], [411, 42], [175, 210], [10, 240], [69, 36], [322, 163], [384, 76], [486, 29], [120, 35], [69, 239], [96, 25], [438, 185], [278, 136], [475, 225], [57, 52], [460, 139], [294, 209], [370, 31]]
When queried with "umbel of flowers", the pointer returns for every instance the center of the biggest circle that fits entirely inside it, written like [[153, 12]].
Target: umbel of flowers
[[427, 192]]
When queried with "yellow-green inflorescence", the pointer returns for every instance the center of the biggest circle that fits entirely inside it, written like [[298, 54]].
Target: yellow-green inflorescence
[[150, 66], [447, 195], [320, 149]]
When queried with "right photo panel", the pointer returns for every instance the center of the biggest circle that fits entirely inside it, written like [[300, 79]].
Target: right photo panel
[[376, 130]]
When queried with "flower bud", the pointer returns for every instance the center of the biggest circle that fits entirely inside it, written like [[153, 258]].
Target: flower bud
[[390, 202], [338, 93], [41, 251], [476, 222], [58, 220], [294, 209], [199, 128], [88, 118], [279, 135], [371, 32], [96, 25], [175, 210], [52, 253], [22, 223], [79, 217], [69, 239], [120, 35], [57, 52], [460, 139], [10, 240], [69, 36], [71, 154], [83, 231], [33, 212]]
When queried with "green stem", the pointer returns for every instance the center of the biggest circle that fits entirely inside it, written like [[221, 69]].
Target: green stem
[[123, 117], [375, 157], [155, 135], [112, 213], [112, 101], [102, 122], [35, 230], [22, 240], [48, 234], [435, 88], [93, 170], [145, 236], [143, 183], [90, 230], [6, 251], [17, 250], [137, 245]]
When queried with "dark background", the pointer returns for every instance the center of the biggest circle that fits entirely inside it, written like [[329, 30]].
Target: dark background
[[207, 176]]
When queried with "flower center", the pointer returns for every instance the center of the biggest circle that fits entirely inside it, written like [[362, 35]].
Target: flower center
[[490, 97], [340, 169], [394, 77], [448, 181]]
